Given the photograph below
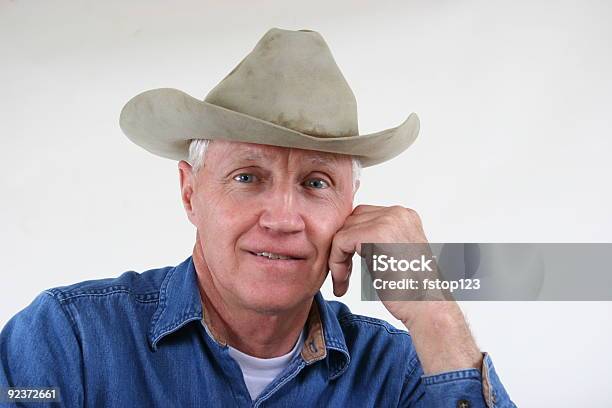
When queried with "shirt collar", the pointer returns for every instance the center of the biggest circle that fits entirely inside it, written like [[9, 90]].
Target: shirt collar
[[180, 303], [332, 337]]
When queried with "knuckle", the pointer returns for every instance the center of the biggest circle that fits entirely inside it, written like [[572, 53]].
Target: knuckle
[[403, 212], [398, 208], [389, 218], [410, 211], [413, 214], [360, 208]]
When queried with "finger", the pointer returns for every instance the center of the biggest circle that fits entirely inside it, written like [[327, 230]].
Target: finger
[[341, 287], [355, 219], [340, 276], [365, 208], [340, 260]]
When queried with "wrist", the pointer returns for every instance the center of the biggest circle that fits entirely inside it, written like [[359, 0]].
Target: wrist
[[442, 338], [441, 315]]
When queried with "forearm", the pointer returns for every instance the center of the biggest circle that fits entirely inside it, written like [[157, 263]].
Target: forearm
[[442, 338]]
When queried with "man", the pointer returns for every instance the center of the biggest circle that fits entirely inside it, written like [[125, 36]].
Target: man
[[273, 155]]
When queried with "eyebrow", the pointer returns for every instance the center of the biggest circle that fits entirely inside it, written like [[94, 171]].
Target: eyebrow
[[330, 162]]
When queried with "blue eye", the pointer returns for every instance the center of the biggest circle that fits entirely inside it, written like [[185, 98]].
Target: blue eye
[[245, 178], [317, 183]]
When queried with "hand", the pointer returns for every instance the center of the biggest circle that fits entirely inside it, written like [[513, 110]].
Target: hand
[[376, 224], [440, 334]]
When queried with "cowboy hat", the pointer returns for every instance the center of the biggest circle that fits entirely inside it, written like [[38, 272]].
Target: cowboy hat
[[287, 92]]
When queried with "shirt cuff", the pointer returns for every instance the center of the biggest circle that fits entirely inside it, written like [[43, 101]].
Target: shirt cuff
[[469, 388]]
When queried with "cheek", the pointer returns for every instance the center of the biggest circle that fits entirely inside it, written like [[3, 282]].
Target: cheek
[[220, 222], [323, 226], [216, 210]]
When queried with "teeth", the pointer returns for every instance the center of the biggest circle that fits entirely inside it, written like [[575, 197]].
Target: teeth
[[271, 255]]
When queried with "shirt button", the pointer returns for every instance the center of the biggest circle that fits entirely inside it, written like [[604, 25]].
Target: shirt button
[[463, 404]]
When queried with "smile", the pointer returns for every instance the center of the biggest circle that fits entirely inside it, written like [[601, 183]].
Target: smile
[[271, 255]]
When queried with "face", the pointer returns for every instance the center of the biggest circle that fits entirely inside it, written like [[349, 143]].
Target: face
[[266, 217]]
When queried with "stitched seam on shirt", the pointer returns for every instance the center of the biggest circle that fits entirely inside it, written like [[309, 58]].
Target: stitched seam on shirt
[[282, 381], [454, 375], [176, 325], [137, 297], [162, 297], [413, 364], [335, 344], [66, 313], [63, 293], [452, 380], [181, 320], [75, 331]]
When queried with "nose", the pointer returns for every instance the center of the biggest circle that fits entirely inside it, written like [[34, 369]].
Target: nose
[[281, 211]]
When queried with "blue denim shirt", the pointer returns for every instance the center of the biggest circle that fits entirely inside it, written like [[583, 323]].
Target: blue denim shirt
[[141, 340]]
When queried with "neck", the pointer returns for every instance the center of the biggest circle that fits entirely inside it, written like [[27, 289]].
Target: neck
[[257, 333]]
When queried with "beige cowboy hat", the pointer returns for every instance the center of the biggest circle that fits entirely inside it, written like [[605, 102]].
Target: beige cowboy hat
[[287, 92]]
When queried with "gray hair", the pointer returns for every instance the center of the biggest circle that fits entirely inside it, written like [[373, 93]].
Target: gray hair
[[197, 151]]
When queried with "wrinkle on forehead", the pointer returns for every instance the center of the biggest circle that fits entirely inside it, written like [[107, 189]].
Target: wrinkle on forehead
[[254, 152]]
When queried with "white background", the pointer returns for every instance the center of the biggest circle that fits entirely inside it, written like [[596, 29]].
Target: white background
[[514, 98]]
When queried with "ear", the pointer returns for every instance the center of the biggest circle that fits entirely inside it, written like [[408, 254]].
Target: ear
[[187, 181]]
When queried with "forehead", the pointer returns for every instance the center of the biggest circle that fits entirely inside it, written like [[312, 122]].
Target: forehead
[[259, 152]]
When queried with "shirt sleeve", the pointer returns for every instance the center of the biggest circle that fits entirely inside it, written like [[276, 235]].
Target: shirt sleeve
[[469, 388], [39, 348]]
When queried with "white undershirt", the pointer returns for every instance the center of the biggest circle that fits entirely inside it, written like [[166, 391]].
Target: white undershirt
[[259, 372]]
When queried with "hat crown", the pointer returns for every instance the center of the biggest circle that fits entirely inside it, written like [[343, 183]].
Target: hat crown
[[291, 79]]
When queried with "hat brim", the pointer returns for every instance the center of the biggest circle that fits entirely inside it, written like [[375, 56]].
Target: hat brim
[[164, 121]]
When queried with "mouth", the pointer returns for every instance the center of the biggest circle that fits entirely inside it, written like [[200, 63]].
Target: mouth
[[271, 256]]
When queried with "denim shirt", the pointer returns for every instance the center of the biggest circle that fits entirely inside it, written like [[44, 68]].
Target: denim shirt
[[142, 340]]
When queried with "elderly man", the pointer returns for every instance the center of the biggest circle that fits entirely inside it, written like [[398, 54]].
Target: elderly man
[[269, 165]]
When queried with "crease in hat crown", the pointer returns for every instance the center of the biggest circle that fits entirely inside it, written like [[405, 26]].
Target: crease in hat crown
[[274, 82], [288, 91]]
